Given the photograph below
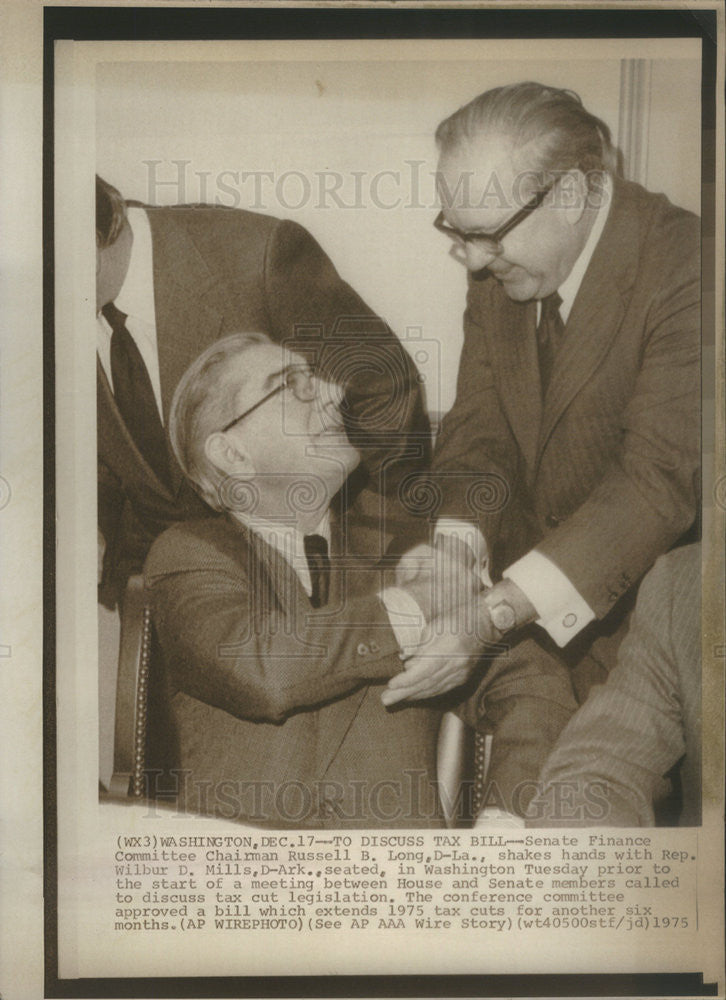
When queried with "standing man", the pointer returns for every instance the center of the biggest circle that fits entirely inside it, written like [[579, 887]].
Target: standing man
[[171, 281], [578, 390]]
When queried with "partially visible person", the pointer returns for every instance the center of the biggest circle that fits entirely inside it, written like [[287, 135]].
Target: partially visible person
[[277, 639], [608, 766], [172, 280]]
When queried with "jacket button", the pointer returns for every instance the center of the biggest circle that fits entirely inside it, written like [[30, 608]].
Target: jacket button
[[375, 648], [551, 520], [362, 649], [569, 620]]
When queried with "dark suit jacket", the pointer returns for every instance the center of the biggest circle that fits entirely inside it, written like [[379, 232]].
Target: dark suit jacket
[[602, 476], [276, 706], [614, 752], [219, 271]]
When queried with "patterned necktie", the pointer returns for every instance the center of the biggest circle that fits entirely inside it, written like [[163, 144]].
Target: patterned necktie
[[316, 551], [549, 333], [134, 394]]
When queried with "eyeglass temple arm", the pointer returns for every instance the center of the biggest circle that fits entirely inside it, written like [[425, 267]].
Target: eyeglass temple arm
[[278, 388]]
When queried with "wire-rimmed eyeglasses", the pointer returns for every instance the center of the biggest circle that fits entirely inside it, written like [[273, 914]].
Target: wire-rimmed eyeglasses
[[299, 379]]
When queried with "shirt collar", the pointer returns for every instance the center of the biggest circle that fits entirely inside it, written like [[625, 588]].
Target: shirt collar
[[136, 297], [571, 285], [281, 529]]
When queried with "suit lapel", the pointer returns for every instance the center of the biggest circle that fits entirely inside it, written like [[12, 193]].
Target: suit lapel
[[337, 717], [186, 302], [596, 315], [513, 349], [332, 721], [113, 430], [283, 579]]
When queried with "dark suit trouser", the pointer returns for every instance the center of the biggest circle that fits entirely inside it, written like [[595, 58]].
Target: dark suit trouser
[[524, 699]]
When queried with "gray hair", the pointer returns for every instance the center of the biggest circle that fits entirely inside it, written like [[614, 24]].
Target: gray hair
[[552, 122], [203, 403]]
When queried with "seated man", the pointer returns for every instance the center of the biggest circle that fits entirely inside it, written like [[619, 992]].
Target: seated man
[[609, 762], [277, 653]]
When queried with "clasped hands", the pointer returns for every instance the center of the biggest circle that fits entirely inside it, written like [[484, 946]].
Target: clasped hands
[[444, 581]]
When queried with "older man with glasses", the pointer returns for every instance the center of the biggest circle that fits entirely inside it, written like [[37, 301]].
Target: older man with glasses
[[577, 409], [169, 281], [278, 636]]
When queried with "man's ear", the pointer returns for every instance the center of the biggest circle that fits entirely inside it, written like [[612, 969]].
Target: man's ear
[[227, 455], [573, 190]]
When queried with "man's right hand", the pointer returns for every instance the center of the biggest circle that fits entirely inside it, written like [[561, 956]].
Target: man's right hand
[[440, 577]]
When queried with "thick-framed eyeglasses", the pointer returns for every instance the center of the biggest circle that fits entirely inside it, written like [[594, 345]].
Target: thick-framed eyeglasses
[[492, 242], [299, 379]]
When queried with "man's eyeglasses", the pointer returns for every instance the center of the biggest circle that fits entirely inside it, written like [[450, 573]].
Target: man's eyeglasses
[[299, 379], [492, 242]]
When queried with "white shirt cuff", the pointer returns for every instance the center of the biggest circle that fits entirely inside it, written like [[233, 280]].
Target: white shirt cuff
[[405, 616], [470, 535], [562, 611]]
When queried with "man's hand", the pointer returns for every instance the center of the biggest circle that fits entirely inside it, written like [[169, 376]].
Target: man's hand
[[449, 651], [416, 561], [440, 577]]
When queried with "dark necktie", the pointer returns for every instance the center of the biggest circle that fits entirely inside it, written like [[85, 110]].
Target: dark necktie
[[134, 394], [316, 551], [549, 334]]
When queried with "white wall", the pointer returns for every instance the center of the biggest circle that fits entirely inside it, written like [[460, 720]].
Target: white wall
[[354, 121], [674, 132]]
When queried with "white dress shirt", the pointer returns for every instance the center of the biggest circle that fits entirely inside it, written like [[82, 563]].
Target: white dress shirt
[[136, 299], [561, 610]]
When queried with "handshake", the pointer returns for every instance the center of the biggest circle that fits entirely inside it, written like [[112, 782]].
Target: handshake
[[446, 584]]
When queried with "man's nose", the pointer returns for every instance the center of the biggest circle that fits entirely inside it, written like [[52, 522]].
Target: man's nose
[[477, 257]]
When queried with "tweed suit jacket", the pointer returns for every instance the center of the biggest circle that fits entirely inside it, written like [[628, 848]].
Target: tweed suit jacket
[[276, 706], [218, 271], [643, 720], [602, 475]]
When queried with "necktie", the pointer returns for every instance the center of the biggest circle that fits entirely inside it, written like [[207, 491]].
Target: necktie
[[549, 334], [134, 394], [316, 551]]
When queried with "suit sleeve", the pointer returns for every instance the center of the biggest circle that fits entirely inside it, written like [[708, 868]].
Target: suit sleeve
[[225, 646], [612, 756], [110, 500], [648, 495], [311, 305], [474, 472]]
